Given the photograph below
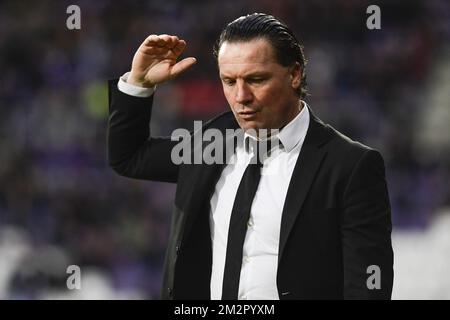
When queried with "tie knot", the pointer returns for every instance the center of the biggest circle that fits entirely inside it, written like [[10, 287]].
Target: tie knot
[[261, 149]]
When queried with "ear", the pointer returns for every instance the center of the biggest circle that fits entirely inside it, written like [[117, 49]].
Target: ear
[[296, 75]]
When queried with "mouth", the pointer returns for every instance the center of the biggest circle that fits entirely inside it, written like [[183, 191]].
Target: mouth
[[248, 114]]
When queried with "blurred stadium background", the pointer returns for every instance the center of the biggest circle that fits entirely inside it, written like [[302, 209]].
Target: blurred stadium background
[[60, 203]]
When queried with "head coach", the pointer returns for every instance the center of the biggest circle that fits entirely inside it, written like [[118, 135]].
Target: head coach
[[320, 228]]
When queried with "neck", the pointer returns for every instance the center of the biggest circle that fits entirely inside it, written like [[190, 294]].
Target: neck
[[295, 112]]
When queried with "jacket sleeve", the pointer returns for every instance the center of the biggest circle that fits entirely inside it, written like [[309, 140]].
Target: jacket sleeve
[[366, 231], [131, 151]]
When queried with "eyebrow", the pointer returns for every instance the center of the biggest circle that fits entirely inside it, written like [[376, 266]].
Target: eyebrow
[[250, 75]]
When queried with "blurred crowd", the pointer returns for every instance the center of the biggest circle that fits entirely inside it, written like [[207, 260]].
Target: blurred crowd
[[387, 88]]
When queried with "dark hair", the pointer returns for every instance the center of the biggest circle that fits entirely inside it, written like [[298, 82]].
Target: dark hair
[[287, 48]]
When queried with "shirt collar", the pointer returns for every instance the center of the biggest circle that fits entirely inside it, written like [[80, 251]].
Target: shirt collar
[[295, 131]]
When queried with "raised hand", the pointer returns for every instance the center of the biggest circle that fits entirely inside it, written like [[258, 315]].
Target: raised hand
[[155, 61]]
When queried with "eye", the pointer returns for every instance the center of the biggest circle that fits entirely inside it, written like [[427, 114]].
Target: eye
[[228, 82], [256, 80]]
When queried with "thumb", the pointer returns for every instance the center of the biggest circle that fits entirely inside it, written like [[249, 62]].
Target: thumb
[[182, 66]]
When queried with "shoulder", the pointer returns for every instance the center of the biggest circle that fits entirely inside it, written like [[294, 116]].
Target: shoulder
[[343, 143], [347, 151]]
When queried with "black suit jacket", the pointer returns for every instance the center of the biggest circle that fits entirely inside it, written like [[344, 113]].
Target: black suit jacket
[[336, 220]]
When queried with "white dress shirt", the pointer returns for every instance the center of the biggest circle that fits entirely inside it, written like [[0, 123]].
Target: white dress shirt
[[260, 252]]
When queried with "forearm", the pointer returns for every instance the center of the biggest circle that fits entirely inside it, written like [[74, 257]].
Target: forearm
[[131, 152]]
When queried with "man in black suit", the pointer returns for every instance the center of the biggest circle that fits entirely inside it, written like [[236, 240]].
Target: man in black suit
[[318, 223]]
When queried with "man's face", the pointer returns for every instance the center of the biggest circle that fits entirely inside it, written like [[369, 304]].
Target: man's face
[[260, 91]]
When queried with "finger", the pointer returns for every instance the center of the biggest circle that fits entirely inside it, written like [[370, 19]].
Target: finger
[[182, 66], [155, 40], [167, 40], [152, 47], [154, 50], [160, 42], [170, 41], [173, 41], [163, 40], [151, 40], [179, 47]]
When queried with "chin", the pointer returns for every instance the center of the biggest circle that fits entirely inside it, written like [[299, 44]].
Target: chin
[[247, 125], [254, 123]]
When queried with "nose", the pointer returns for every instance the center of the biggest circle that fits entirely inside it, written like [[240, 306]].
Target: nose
[[243, 93]]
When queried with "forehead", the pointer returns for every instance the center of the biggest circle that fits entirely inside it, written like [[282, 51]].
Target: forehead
[[245, 53]]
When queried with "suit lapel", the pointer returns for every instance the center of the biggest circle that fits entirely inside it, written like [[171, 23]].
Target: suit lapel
[[308, 162], [204, 180], [202, 189]]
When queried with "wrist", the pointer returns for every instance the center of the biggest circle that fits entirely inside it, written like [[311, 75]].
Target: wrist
[[137, 81], [133, 90]]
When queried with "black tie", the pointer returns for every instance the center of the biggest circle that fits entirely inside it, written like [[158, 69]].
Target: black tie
[[238, 227]]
